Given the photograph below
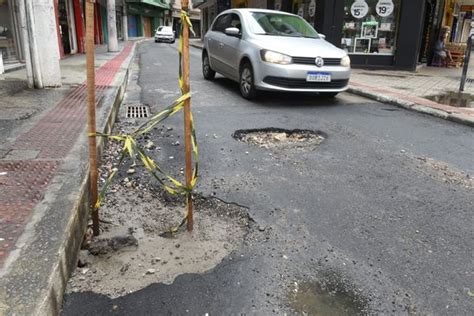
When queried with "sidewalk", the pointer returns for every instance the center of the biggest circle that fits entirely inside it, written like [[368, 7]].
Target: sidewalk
[[410, 89], [44, 177]]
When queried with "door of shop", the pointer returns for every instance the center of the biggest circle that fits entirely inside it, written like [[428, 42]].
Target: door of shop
[[132, 26], [147, 26], [67, 28]]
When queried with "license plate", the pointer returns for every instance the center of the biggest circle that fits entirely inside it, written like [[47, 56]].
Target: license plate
[[313, 76]]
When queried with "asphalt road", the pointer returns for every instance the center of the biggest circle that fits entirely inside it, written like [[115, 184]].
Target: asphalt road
[[360, 214]]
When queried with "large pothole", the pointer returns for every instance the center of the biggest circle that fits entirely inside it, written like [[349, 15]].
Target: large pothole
[[131, 252], [277, 137], [329, 297]]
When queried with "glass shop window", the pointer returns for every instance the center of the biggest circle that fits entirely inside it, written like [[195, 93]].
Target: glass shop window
[[370, 26]]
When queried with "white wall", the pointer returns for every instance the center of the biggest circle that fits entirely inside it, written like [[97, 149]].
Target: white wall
[[46, 36]]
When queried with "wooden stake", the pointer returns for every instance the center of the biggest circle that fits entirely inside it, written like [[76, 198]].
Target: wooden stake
[[90, 65], [187, 118]]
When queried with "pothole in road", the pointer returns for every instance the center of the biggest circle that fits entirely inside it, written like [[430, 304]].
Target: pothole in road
[[131, 253], [325, 298], [277, 137]]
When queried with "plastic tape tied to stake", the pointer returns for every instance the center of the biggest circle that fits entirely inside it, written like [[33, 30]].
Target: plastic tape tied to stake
[[132, 149]]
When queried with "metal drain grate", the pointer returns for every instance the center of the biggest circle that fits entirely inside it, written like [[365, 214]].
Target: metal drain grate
[[137, 111]]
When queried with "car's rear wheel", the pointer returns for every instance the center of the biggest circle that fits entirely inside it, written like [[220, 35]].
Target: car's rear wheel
[[207, 71], [329, 94], [246, 82]]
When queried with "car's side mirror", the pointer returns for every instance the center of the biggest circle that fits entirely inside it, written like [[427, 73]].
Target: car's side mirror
[[232, 31], [322, 36]]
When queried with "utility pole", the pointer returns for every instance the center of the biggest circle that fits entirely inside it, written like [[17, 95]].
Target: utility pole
[[25, 42], [187, 117], [90, 65], [125, 22], [112, 43], [35, 62], [467, 57]]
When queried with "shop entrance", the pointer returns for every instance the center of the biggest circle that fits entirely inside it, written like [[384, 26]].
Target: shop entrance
[[147, 26], [7, 34], [67, 29]]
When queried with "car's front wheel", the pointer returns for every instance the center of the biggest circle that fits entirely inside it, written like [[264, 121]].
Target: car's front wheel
[[246, 82], [207, 71]]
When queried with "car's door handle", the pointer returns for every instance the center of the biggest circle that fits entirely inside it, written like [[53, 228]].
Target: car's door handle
[[221, 45]]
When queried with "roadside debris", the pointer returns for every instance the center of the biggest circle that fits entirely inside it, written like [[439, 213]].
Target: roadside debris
[[273, 138]]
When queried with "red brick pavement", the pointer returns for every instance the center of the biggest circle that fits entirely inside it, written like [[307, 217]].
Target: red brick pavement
[[23, 183]]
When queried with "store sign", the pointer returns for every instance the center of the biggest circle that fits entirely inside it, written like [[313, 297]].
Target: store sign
[[277, 5], [384, 8], [359, 9], [312, 8]]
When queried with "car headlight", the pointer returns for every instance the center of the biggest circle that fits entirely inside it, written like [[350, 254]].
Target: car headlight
[[346, 61], [275, 58]]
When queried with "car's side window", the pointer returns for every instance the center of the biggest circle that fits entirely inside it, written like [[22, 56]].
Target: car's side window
[[222, 23], [235, 22]]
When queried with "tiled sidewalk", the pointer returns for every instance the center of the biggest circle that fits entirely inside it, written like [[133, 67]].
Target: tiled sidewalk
[[23, 182], [44, 177]]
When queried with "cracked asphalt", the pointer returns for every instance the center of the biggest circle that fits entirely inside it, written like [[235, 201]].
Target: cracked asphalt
[[360, 210]]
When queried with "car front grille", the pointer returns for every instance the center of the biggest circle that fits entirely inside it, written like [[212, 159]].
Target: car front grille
[[311, 61], [290, 83]]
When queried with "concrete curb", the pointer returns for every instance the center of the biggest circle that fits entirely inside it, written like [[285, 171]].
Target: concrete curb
[[454, 117], [56, 234]]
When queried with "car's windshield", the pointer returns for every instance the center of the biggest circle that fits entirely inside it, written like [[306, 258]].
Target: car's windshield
[[281, 25], [164, 29]]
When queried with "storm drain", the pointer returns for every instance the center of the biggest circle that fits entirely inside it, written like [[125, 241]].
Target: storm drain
[[276, 137], [138, 111]]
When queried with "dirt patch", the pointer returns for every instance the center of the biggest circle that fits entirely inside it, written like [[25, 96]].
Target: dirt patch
[[132, 252], [447, 174], [274, 137]]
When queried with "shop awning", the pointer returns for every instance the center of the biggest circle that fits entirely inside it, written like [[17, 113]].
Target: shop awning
[[152, 3]]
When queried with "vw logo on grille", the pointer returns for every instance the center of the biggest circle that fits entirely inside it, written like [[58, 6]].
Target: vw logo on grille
[[319, 61]]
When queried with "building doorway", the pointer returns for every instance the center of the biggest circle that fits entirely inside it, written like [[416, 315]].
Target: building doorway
[[67, 27], [147, 26], [8, 47]]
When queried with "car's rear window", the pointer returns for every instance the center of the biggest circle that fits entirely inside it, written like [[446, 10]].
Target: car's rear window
[[266, 23]]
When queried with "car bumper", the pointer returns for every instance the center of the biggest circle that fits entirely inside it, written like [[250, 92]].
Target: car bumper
[[293, 78], [164, 39]]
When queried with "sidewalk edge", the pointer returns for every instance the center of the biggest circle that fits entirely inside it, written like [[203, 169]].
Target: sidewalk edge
[[457, 118], [75, 229]]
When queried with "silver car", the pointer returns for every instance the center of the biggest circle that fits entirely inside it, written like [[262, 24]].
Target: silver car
[[273, 50]]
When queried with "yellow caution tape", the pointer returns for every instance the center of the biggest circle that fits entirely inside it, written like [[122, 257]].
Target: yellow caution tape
[[132, 149]]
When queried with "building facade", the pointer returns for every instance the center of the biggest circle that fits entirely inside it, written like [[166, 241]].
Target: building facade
[[144, 16], [389, 34], [175, 16]]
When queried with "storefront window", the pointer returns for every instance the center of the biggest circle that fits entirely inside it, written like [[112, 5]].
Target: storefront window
[[370, 26], [7, 44], [305, 9]]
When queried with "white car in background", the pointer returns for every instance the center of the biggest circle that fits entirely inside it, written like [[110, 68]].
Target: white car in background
[[164, 34]]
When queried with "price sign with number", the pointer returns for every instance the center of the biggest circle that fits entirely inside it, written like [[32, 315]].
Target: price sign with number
[[384, 8], [359, 9]]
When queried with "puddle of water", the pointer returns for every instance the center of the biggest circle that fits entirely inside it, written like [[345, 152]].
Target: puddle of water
[[461, 100], [310, 298]]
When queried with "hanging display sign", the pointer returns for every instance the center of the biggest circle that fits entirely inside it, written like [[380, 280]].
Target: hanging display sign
[[359, 9], [385, 8], [277, 5], [301, 11], [312, 8]]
